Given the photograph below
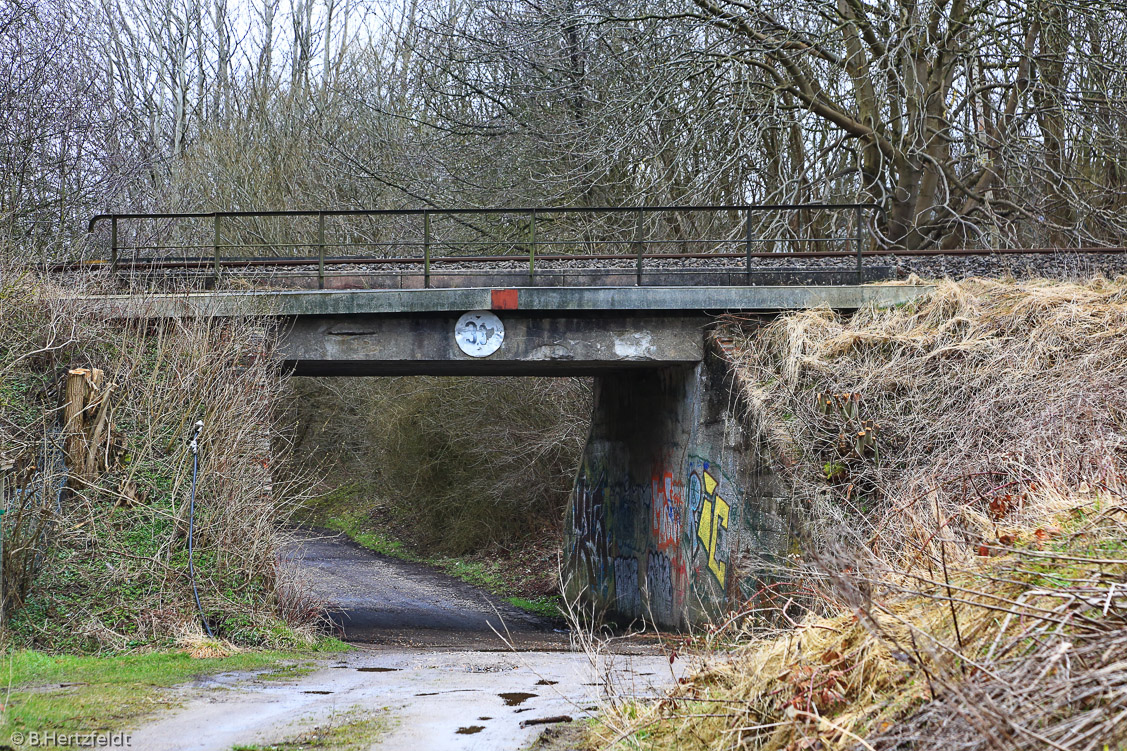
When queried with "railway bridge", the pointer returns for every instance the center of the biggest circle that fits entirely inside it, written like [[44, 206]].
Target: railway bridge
[[677, 514]]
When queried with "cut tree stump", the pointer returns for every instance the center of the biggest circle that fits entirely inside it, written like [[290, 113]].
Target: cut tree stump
[[85, 410]]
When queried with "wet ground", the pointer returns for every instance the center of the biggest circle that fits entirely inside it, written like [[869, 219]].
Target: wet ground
[[427, 658]]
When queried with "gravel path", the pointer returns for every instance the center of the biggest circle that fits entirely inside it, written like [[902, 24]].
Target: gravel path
[[429, 699], [426, 663]]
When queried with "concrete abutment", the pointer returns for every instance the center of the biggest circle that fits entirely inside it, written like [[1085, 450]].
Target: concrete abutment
[[676, 518]]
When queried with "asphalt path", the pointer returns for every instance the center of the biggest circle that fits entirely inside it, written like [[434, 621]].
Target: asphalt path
[[376, 599]]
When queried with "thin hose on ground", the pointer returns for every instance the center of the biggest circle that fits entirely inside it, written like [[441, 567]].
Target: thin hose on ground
[[195, 448]]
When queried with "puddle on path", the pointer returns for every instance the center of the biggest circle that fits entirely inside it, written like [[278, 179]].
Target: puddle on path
[[514, 698], [431, 695], [470, 730]]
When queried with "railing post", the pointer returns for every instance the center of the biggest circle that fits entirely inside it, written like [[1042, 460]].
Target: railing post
[[321, 250], [113, 244], [860, 241], [215, 246], [747, 240], [426, 249], [639, 243], [531, 247]]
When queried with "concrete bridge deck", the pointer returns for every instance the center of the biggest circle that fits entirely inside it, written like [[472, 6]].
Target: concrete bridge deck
[[762, 299], [544, 331]]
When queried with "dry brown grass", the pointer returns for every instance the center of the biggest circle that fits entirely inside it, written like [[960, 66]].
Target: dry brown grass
[[969, 570], [100, 562]]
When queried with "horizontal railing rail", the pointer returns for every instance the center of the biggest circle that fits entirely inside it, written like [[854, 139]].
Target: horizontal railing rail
[[518, 234]]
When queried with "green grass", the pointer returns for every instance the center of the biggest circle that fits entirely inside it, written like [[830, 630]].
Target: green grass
[[485, 574], [548, 606], [69, 693], [352, 730], [349, 524], [345, 509]]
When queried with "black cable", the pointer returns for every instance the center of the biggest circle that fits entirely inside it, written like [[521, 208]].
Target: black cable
[[195, 447]]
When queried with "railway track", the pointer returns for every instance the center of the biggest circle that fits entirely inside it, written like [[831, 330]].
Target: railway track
[[147, 264]]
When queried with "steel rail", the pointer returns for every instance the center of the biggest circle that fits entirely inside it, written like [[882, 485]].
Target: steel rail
[[479, 211], [503, 241], [516, 240]]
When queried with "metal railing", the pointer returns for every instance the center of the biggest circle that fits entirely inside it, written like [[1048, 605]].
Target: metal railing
[[430, 238]]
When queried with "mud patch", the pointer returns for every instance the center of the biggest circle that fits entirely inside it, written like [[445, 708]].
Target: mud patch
[[516, 698], [546, 682], [378, 670], [470, 729]]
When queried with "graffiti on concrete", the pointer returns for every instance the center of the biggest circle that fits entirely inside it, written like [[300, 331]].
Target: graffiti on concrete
[[712, 514], [627, 595], [659, 585], [653, 548], [626, 507], [666, 505], [590, 538]]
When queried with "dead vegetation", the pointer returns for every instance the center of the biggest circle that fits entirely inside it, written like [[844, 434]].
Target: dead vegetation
[[961, 466], [95, 413]]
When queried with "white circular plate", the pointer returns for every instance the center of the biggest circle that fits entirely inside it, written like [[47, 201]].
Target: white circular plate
[[479, 333]]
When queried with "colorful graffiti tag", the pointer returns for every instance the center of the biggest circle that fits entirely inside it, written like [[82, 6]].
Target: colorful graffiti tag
[[643, 548], [712, 514], [665, 510]]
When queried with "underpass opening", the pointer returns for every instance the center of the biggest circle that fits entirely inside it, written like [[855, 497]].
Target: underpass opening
[[467, 476], [637, 496]]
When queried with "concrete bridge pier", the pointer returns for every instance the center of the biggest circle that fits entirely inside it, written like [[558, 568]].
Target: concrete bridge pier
[[675, 516]]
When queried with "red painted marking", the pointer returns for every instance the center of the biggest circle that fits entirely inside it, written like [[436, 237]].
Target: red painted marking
[[505, 299]]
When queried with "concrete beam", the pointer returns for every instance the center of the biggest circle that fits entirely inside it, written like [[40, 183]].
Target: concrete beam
[[544, 299], [344, 279], [424, 344]]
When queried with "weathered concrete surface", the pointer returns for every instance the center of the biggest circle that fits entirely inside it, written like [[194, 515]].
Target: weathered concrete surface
[[372, 345], [549, 330], [674, 517], [544, 299], [342, 278]]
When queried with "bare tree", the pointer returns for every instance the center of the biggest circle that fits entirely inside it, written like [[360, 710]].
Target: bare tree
[[54, 126], [958, 117]]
